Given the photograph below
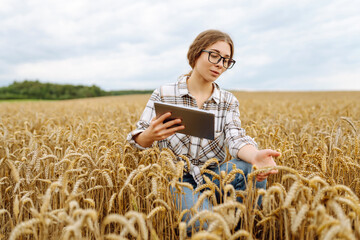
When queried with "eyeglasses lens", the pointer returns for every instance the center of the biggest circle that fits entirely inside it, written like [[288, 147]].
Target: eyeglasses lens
[[216, 58]]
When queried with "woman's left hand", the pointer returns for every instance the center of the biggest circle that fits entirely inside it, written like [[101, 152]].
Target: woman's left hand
[[265, 158]]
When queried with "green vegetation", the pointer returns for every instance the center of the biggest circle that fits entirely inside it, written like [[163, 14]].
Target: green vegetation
[[126, 92], [37, 90]]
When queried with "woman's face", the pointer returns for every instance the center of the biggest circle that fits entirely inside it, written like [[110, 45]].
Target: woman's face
[[211, 71]]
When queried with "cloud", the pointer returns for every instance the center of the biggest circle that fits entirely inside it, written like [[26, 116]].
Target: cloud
[[119, 68], [339, 81], [140, 44]]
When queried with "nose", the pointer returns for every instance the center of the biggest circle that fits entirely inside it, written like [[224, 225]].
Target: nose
[[220, 64]]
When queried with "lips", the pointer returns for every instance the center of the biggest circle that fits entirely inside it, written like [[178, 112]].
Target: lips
[[215, 72]]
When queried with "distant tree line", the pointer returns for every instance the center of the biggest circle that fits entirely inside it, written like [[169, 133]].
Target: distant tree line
[[37, 90]]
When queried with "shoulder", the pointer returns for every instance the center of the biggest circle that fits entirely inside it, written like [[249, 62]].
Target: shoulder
[[166, 88], [171, 89], [227, 97]]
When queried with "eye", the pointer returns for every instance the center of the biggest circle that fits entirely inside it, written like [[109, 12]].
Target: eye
[[214, 55]]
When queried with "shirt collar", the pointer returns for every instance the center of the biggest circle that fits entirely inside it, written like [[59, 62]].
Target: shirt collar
[[183, 90], [182, 86], [216, 93]]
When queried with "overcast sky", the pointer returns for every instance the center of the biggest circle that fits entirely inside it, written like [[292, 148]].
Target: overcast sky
[[141, 44]]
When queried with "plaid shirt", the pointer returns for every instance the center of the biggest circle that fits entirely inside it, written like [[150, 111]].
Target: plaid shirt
[[228, 131]]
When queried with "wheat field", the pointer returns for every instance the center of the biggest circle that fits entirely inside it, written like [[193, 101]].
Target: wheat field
[[66, 172]]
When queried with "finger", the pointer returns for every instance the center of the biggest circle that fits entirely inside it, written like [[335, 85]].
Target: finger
[[263, 175], [163, 132], [276, 154], [272, 153], [260, 179], [172, 123], [173, 130], [162, 118], [266, 174]]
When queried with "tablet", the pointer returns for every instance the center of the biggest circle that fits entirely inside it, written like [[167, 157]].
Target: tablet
[[198, 123]]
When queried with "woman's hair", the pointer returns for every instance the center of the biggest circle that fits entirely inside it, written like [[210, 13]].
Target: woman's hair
[[202, 41]]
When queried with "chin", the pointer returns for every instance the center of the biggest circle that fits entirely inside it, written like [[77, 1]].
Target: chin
[[213, 79]]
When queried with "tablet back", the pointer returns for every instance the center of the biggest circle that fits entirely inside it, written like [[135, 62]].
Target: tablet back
[[198, 123]]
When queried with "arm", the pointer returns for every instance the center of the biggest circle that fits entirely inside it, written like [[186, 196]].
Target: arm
[[158, 130], [259, 158], [244, 147], [149, 128]]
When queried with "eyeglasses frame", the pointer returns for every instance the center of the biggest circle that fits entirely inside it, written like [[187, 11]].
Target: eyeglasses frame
[[221, 58]]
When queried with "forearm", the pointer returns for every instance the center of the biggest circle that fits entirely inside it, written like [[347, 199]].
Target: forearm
[[143, 140], [247, 153], [137, 136]]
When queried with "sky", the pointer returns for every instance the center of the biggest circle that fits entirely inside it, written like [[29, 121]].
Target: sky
[[280, 45]]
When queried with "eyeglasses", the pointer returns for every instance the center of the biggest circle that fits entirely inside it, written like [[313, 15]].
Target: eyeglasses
[[215, 58]]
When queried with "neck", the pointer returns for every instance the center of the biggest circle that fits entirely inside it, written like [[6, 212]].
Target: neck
[[200, 89], [199, 86]]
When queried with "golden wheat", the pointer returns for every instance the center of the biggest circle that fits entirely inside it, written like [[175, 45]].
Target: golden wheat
[[66, 171]]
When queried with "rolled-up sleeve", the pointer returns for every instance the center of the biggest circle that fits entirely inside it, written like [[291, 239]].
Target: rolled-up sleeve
[[145, 119], [235, 135]]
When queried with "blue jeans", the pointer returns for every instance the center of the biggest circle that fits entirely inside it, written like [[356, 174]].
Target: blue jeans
[[189, 199]]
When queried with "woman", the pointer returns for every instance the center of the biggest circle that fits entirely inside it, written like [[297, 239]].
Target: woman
[[209, 56]]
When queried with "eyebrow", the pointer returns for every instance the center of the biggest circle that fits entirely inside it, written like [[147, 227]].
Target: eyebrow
[[219, 52]]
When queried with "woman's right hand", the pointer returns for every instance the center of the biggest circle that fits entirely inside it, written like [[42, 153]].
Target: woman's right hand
[[158, 130]]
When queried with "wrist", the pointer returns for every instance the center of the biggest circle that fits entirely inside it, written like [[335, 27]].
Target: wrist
[[143, 140], [248, 153], [253, 155]]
